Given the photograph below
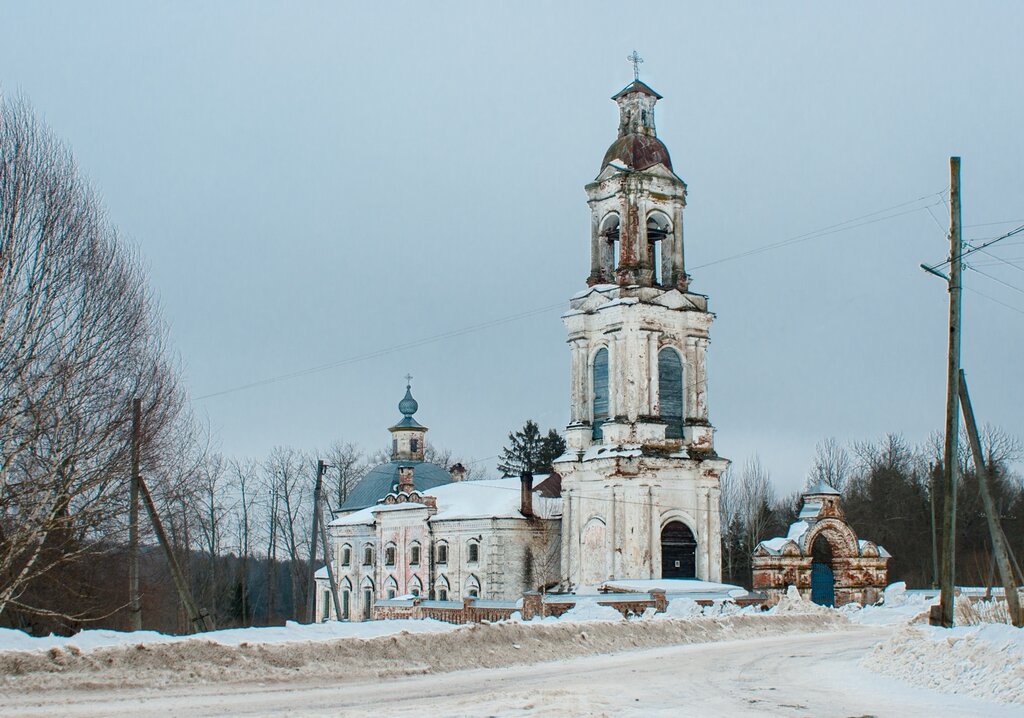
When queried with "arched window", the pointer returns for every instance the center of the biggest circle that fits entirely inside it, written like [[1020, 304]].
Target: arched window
[[441, 588], [414, 553], [659, 227], [442, 553], [389, 555], [390, 587], [415, 586], [670, 391], [367, 588], [609, 248], [474, 551], [346, 598], [346, 555], [472, 587], [368, 554], [600, 390]]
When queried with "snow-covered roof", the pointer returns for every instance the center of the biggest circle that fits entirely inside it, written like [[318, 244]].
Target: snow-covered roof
[[321, 573], [494, 498], [607, 451], [810, 509], [821, 488], [795, 534], [861, 543]]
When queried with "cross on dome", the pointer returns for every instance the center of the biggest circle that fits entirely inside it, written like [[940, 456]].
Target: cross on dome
[[637, 61]]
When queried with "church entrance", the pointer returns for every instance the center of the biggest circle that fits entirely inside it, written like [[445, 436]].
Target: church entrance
[[678, 551], [823, 587]]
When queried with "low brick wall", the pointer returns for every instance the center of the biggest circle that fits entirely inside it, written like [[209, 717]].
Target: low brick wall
[[532, 605]]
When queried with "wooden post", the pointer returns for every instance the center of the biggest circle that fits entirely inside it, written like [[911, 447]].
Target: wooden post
[[134, 601], [947, 567], [999, 545], [330, 564], [199, 620], [311, 574]]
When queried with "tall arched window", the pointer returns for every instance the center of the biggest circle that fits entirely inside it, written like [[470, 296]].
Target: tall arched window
[[659, 227], [609, 246], [600, 389], [670, 391]]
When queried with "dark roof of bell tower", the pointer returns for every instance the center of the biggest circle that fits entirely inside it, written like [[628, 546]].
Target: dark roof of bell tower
[[637, 86]]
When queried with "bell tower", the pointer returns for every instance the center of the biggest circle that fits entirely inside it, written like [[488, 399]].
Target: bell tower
[[640, 477]]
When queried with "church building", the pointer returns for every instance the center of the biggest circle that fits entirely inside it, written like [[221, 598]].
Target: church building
[[635, 496]]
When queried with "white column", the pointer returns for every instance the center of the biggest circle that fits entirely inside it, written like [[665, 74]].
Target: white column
[[610, 540], [701, 380], [652, 374]]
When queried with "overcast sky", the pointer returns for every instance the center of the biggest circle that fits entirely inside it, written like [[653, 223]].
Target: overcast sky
[[314, 182]]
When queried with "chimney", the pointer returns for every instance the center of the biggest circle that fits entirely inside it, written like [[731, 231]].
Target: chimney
[[405, 479], [526, 493], [458, 472]]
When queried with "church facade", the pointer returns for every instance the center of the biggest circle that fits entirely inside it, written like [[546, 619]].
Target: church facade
[[635, 496]]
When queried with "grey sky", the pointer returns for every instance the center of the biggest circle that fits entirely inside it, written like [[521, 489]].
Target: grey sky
[[310, 182]]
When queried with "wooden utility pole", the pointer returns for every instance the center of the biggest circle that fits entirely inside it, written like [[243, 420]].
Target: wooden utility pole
[[999, 545], [330, 566], [199, 619], [311, 578], [947, 566], [134, 601]]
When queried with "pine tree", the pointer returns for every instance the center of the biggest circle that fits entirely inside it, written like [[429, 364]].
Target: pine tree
[[529, 450]]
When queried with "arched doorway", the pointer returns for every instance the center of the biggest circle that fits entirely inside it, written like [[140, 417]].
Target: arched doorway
[[823, 587], [678, 551]]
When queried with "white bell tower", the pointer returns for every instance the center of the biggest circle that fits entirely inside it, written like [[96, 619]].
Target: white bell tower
[[640, 479]]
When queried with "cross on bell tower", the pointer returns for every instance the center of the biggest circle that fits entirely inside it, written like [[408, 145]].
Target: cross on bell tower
[[637, 61]]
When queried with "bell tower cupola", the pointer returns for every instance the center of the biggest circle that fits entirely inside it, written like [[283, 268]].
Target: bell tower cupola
[[637, 202], [407, 435]]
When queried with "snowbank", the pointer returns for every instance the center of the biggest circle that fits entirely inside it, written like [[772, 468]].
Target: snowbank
[[590, 610], [14, 640], [198, 661], [981, 661], [794, 603], [899, 606]]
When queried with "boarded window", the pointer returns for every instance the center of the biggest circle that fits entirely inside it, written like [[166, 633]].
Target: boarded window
[[600, 383], [368, 556], [670, 391], [346, 556], [414, 556], [442, 553]]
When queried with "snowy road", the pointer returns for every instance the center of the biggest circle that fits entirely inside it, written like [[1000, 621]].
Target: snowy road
[[795, 675]]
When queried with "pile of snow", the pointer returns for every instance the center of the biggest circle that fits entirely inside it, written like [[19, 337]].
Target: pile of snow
[[982, 661], [674, 586], [793, 602], [90, 639], [682, 608], [590, 610], [898, 606]]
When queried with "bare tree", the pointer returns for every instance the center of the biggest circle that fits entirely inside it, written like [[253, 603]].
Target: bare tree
[[832, 465], [79, 338]]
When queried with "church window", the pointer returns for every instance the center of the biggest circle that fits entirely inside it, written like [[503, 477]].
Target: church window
[[394, 446], [367, 598], [327, 604], [441, 589], [368, 555], [609, 246], [442, 553], [389, 555], [414, 445], [346, 597], [346, 555], [600, 391], [414, 555], [658, 230], [415, 587], [391, 587], [670, 392], [472, 587], [474, 551]]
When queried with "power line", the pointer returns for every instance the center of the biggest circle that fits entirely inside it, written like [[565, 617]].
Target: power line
[[981, 247], [993, 299], [815, 234], [996, 279]]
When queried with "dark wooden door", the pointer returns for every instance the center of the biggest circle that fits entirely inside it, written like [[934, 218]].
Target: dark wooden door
[[678, 551]]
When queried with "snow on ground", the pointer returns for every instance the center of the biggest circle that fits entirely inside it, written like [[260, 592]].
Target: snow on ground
[[91, 639], [982, 661]]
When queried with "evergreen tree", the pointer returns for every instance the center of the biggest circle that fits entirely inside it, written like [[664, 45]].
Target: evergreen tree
[[529, 450]]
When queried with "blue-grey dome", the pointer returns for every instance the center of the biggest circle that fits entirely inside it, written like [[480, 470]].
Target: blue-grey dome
[[382, 479], [408, 405]]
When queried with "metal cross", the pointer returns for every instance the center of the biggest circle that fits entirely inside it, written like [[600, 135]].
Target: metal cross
[[636, 60], [408, 379]]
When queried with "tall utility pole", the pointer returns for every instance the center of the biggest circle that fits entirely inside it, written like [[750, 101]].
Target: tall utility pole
[[134, 602], [321, 467], [949, 454]]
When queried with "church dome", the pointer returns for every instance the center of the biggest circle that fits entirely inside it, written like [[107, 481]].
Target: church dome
[[382, 479], [408, 405], [637, 152]]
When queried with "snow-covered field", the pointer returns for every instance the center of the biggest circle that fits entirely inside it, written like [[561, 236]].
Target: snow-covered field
[[798, 659]]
